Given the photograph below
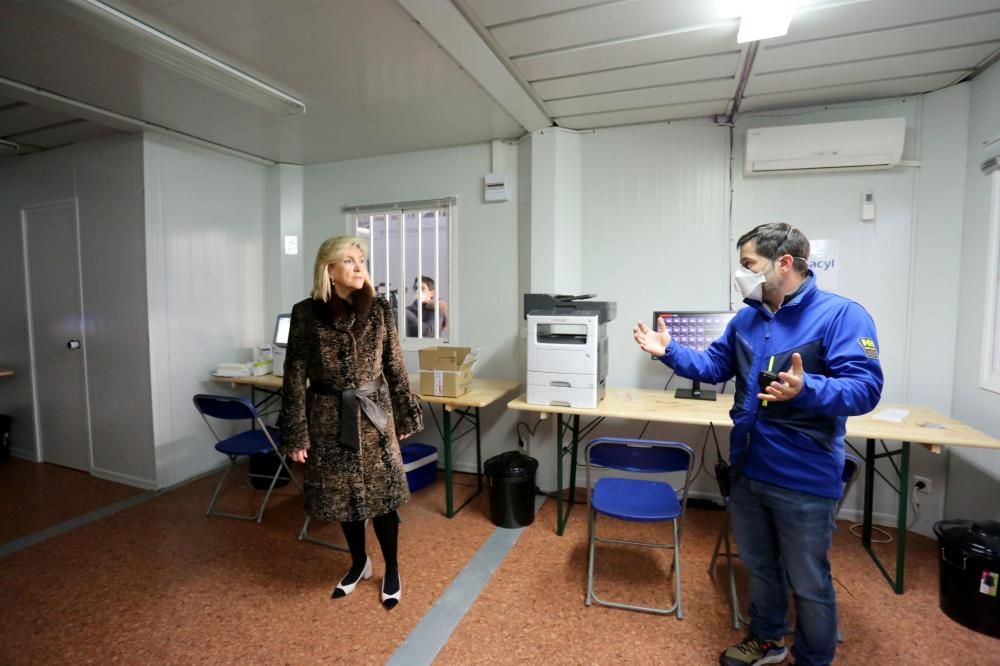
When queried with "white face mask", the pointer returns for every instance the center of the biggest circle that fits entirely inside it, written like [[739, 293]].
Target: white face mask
[[750, 284]]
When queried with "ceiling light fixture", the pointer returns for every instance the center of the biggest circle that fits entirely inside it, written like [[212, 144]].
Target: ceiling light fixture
[[764, 19], [139, 37]]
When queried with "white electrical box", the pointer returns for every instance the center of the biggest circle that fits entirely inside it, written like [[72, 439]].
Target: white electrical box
[[495, 187], [867, 207]]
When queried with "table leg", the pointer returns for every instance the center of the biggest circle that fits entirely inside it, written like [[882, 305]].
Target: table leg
[[903, 489], [479, 456], [904, 500], [561, 429], [866, 527], [559, 474], [446, 437]]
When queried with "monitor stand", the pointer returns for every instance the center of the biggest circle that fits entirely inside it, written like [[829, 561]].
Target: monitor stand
[[694, 393]]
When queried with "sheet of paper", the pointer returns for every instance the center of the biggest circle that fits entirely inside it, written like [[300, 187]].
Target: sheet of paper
[[891, 415]]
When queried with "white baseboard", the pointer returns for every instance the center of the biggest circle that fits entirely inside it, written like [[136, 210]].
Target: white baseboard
[[25, 454], [127, 479]]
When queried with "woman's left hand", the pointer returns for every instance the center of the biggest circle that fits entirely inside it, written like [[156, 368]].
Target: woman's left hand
[[404, 435]]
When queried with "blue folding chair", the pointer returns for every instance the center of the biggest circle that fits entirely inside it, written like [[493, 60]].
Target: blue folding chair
[[637, 500], [256, 441], [852, 468]]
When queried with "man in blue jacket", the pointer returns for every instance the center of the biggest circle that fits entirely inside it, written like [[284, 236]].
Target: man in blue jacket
[[787, 443]]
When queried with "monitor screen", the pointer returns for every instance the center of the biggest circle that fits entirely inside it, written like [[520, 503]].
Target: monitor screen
[[696, 330], [281, 327]]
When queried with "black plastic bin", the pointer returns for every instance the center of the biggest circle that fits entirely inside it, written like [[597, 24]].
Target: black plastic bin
[[970, 573], [4, 438], [511, 480], [265, 464]]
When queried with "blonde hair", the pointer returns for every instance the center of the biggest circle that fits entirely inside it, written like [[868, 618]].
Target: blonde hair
[[330, 252]]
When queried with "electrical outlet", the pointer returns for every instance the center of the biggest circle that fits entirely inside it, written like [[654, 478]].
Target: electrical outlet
[[922, 484]]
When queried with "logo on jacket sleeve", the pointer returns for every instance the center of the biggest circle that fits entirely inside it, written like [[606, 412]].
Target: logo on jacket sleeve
[[868, 345]]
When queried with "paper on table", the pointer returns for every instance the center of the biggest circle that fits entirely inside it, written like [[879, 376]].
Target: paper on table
[[891, 415]]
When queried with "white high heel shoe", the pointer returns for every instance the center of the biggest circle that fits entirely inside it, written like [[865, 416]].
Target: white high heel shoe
[[344, 590], [390, 600]]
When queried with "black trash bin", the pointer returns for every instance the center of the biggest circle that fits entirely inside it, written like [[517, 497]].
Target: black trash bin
[[511, 480], [265, 465], [4, 437], [970, 573]]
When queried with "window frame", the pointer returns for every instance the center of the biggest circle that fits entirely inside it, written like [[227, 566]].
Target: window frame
[[450, 204], [989, 376]]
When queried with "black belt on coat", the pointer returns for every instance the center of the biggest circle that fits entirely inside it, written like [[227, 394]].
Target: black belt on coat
[[350, 400]]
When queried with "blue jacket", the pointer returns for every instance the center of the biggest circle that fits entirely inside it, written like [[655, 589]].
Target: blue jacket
[[798, 444]]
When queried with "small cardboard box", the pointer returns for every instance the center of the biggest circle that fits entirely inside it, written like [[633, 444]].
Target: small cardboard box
[[446, 371]]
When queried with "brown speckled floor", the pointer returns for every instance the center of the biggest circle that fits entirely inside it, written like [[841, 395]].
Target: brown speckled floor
[[34, 496], [533, 608], [161, 583]]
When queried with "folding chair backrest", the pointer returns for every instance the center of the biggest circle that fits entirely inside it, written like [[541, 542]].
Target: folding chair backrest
[[224, 407], [852, 468], [640, 455]]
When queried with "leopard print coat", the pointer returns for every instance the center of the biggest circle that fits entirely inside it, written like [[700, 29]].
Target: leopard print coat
[[347, 345]]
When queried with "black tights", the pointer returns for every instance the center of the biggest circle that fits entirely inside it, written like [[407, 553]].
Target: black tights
[[387, 531]]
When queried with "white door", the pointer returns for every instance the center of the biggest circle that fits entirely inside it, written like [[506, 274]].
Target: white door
[[55, 315]]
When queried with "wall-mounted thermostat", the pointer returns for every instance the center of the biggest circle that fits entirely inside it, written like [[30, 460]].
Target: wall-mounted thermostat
[[867, 207], [495, 187]]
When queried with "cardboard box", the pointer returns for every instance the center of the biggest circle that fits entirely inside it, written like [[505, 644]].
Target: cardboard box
[[446, 371]]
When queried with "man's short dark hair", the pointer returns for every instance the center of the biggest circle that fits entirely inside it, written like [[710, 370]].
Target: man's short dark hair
[[426, 280], [778, 239]]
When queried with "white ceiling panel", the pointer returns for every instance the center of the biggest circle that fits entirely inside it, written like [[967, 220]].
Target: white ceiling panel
[[643, 76], [653, 114], [492, 12], [856, 91], [204, 19], [659, 96], [365, 59], [949, 60], [879, 44], [18, 117], [868, 15], [627, 53], [604, 23], [71, 131]]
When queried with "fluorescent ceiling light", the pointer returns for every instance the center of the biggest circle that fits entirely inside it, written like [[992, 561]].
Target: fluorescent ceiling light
[[763, 19], [131, 33]]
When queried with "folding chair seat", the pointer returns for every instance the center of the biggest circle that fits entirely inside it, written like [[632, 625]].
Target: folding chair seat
[[723, 545], [259, 440], [637, 500]]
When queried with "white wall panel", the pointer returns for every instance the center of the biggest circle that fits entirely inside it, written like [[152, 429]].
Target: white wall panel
[[105, 176], [205, 231], [883, 265], [486, 306], [974, 474], [112, 252]]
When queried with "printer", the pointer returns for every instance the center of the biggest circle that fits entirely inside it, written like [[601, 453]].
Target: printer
[[567, 349]]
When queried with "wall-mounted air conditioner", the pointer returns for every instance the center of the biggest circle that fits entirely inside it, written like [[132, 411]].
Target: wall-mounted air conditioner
[[845, 146]]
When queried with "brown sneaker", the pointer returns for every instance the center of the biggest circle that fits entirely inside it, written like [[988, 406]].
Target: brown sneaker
[[752, 651]]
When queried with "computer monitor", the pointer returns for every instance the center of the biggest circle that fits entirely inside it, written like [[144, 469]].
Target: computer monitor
[[696, 330], [281, 327]]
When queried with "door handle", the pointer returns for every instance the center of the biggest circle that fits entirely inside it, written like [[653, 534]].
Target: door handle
[[73, 344]]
